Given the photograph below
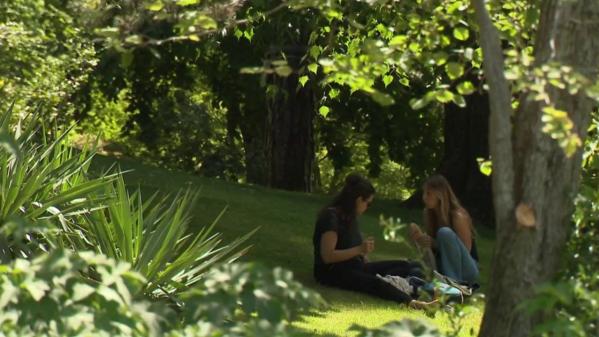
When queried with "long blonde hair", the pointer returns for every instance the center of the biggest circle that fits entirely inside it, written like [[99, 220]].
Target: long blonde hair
[[448, 205]]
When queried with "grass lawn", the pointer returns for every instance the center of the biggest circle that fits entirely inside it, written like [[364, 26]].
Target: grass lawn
[[286, 221]]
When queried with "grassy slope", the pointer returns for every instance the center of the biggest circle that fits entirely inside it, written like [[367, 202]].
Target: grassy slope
[[286, 220]]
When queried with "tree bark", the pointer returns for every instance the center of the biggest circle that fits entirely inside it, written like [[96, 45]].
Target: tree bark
[[290, 132], [254, 145], [541, 179]]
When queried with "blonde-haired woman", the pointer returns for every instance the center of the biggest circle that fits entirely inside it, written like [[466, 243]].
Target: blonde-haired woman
[[449, 232]]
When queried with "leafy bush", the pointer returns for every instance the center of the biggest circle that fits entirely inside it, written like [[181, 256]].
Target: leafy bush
[[246, 300], [66, 294], [238, 291], [404, 328], [44, 56]]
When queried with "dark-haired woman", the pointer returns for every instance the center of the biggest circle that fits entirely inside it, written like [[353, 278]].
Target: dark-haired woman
[[340, 251], [448, 232]]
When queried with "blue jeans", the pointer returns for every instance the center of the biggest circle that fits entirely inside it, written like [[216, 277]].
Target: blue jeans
[[453, 258]]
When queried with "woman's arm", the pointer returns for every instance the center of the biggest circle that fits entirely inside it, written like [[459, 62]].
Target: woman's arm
[[462, 225], [329, 254]]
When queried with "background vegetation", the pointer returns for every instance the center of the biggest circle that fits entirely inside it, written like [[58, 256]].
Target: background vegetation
[[225, 125]]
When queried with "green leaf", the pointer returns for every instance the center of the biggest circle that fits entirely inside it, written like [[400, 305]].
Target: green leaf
[[187, 2], [332, 14], [110, 294], [440, 58], [8, 143], [419, 103], [133, 39], [461, 33], [382, 98], [156, 6], [315, 51], [81, 291], [238, 33], [324, 111], [387, 79], [444, 96], [333, 93], [485, 166], [9, 294], [465, 88], [454, 70], [398, 40], [37, 288], [302, 80], [248, 34], [206, 22], [313, 68], [283, 71], [459, 100]]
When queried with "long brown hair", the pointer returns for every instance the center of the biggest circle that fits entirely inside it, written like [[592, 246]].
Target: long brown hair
[[448, 205], [345, 202]]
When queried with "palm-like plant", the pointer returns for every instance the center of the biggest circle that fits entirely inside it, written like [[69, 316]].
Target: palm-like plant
[[152, 236], [40, 180]]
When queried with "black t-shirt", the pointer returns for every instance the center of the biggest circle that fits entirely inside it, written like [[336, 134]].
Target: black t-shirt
[[348, 236]]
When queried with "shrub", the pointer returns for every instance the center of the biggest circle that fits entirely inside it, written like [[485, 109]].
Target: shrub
[[67, 294]]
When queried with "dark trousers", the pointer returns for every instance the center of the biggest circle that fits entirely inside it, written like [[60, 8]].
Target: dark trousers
[[363, 278]]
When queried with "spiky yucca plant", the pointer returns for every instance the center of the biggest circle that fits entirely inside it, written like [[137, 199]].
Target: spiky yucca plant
[[40, 180]]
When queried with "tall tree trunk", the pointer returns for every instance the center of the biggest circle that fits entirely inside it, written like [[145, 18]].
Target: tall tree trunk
[[253, 129], [466, 139], [534, 183], [290, 133]]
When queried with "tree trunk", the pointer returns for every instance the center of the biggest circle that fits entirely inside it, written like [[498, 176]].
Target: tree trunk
[[466, 139], [541, 181], [290, 132], [252, 123]]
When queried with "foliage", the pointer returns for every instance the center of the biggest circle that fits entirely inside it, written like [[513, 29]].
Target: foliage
[[570, 305], [106, 118], [407, 328], [152, 235], [66, 294], [41, 180], [431, 46], [156, 92], [572, 301], [44, 56], [241, 292]]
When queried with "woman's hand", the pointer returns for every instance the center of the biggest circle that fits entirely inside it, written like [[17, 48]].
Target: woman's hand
[[420, 238], [425, 241], [367, 245], [415, 232]]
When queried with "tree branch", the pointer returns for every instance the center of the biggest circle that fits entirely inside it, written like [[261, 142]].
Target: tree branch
[[500, 126], [148, 41]]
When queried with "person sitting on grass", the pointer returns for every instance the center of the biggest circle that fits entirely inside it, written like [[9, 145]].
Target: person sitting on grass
[[341, 253], [449, 239]]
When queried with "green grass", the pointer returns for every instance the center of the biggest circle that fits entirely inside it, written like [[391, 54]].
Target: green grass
[[286, 221]]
